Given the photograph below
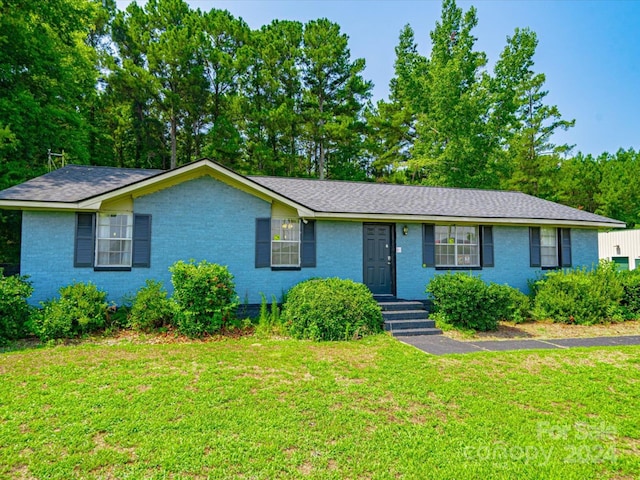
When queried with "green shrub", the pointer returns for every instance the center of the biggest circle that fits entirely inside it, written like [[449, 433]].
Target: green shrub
[[81, 308], [518, 308], [151, 308], [631, 293], [205, 296], [331, 309], [14, 309], [579, 295], [466, 302]]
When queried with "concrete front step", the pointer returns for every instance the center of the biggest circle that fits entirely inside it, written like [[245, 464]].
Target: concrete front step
[[399, 305], [405, 315], [407, 318], [413, 332], [395, 325]]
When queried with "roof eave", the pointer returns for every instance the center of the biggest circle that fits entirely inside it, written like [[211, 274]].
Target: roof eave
[[41, 205], [158, 182], [459, 219]]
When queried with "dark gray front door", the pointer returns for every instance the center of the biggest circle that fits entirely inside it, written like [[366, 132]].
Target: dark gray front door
[[378, 258]]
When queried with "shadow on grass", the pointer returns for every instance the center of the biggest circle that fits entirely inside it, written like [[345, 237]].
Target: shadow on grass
[[30, 343]]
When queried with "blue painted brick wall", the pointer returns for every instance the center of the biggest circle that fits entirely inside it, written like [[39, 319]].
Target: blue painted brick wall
[[205, 219], [511, 252]]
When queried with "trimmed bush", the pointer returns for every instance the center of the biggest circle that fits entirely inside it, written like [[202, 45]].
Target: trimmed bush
[[631, 293], [151, 309], [331, 309], [579, 296], [465, 301], [205, 296], [14, 309], [519, 309], [81, 309]]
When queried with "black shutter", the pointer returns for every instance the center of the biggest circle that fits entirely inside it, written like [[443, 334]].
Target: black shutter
[[308, 247], [84, 250], [564, 241], [534, 246], [486, 237], [141, 250], [263, 242], [428, 245]]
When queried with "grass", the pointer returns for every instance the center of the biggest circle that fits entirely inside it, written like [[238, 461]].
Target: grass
[[375, 408], [542, 330]]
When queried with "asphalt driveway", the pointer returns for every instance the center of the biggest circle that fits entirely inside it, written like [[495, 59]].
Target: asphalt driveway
[[441, 345]]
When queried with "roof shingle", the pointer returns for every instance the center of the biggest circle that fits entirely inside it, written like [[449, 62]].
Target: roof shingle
[[74, 183], [371, 198]]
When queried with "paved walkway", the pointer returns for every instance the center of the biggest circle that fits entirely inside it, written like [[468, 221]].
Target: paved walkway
[[441, 345]]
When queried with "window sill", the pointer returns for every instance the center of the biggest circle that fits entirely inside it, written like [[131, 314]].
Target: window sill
[[285, 269], [111, 269], [470, 267]]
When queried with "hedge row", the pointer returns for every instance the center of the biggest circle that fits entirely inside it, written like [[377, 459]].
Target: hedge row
[[203, 302], [577, 296], [585, 297]]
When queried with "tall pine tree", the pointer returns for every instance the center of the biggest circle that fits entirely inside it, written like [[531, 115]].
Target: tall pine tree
[[334, 97]]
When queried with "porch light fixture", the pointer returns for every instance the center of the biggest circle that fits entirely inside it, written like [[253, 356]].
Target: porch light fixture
[[405, 229]]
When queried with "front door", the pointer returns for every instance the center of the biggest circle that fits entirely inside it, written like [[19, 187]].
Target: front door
[[379, 258]]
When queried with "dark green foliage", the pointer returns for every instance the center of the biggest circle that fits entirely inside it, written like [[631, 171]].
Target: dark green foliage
[[333, 102], [14, 310], [117, 317], [331, 309], [205, 296], [10, 236], [151, 308], [81, 309], [467, 302], [579, 296], [631, 297], [519, 309]]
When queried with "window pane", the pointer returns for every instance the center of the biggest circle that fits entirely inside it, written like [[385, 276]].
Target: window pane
[[548, 247], [445, 235], [457, 246], [114, 242], [548, 257], [548, 237], [285, 242]]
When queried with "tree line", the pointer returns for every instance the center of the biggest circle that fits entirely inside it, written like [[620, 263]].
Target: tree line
[[163, 84]]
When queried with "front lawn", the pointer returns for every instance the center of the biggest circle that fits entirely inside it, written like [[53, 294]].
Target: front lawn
[[375, 408]]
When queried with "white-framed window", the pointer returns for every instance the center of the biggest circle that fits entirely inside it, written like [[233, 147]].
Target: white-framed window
[[548, 247], [457, 246], [114, 239], [285, 242]]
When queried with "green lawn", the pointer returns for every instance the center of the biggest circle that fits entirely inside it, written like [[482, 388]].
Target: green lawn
[[375, 408]]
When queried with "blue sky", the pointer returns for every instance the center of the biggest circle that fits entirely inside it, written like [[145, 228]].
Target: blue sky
[[588, 50]]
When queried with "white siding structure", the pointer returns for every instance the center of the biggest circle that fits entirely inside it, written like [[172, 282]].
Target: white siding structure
[[623, 247]]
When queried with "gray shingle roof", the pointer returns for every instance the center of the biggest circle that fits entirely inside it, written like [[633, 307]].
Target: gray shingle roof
[[74, 183], [371, 198]]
